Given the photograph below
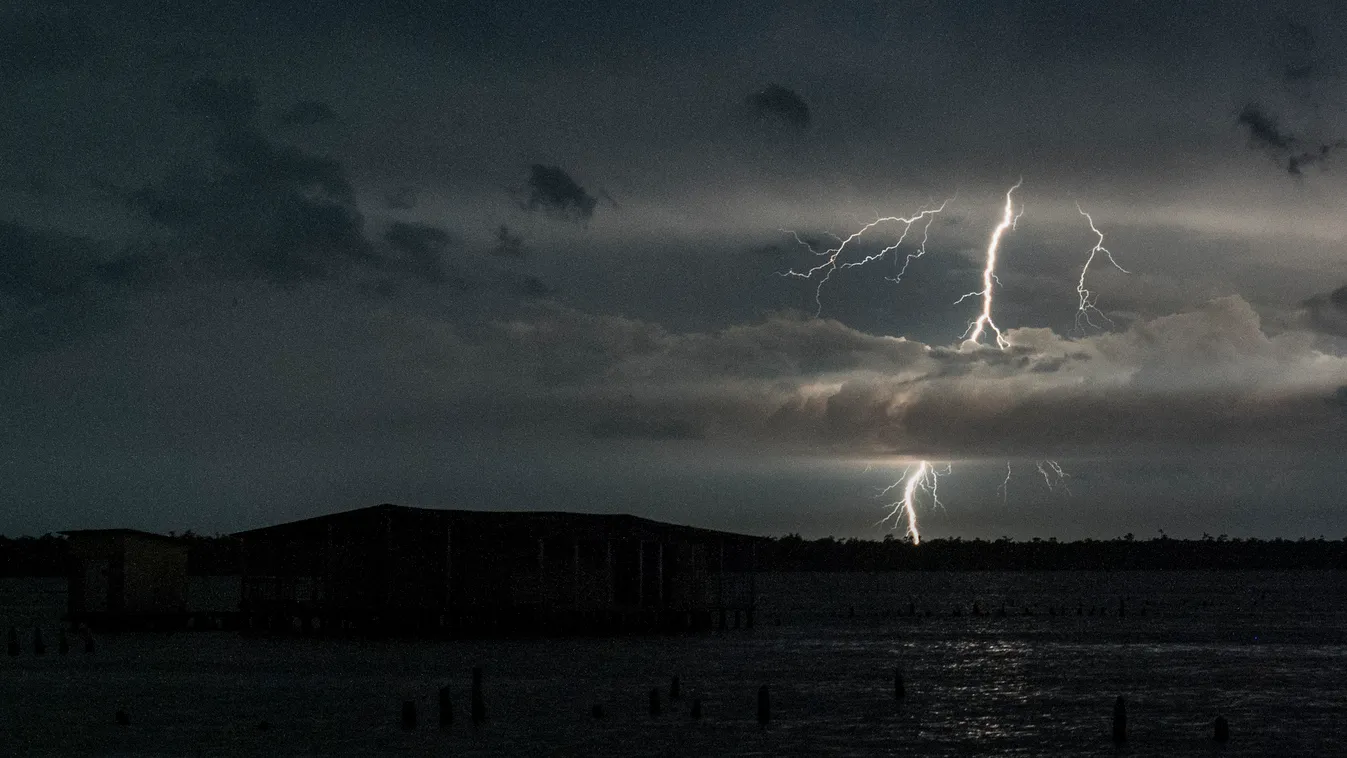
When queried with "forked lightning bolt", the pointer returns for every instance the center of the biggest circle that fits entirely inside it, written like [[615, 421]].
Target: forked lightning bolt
[[833, 255], [925, 478], [1088, 298], [1009, 218]]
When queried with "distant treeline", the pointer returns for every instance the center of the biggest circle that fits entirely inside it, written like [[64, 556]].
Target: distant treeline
[[793, 553], [47, 555], [219, 555]]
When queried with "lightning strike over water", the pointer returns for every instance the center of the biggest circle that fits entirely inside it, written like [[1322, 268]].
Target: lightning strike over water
[[1087, 298], [834, 254], [984, 321], [926, 478]]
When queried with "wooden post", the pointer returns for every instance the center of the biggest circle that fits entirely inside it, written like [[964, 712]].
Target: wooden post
[[478, 704], [675, 689], [446, 708], [659, 573], [764, 706], [39, 647], [654, 701], [1119, 720], [899, 691], [1221, 729], [62, 643], [408, 715], [13, 642], [696, 708], [612, 577]]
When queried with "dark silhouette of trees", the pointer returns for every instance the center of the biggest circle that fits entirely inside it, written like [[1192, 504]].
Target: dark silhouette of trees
[[48, 555], [793, 553]]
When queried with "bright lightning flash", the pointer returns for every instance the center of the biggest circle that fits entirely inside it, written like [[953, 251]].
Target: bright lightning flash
[[926, 478], [1053, 475], [1088, 298], [1009, 218], [833, 255]]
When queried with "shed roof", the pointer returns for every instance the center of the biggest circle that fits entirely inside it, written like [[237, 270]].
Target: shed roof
[[560, 521], [120, 533]]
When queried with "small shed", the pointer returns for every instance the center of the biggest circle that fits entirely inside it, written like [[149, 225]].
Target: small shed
[[126, 578]]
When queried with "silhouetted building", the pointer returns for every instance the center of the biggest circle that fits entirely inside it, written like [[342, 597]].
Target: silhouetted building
[[126, 578], [394, 568]]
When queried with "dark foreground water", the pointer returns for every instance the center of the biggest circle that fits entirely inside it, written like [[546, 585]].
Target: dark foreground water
[[1267, 650]]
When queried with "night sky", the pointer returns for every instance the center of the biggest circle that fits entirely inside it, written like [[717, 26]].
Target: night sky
[[264, 261]]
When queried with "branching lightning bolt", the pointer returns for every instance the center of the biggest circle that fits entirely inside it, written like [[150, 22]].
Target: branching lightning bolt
[[1087, 298], [1053, 474], [926, 478], [1009, 218], [833, 255]]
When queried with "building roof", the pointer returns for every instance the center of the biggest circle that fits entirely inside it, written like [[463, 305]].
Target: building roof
[[560, 521], [119, 533]]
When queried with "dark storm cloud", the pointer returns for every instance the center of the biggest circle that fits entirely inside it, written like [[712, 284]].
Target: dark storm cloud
[[554, 191], [776, 103], [1263, 130], [508, 244], [1266, 135], [422, 247], [401, 199], [1300, 50], [266, 208], [1327, 313], [307, 113]]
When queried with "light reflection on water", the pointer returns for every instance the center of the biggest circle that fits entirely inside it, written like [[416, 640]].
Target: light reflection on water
[[1264, 649]]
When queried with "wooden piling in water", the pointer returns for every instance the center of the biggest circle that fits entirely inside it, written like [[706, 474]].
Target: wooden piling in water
[[446, 706], [39, 647], [62, 643], [1119, 720], [408, 715], [764, 705], [696, 709], [13, 642], [1221, 730], [899, 691], [478, 704], [654, 701], [675, 688]]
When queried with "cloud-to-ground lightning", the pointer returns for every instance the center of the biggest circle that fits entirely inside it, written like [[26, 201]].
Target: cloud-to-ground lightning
[[833, 255], [1009, 218], [923, 476], [1053, 474], [1087, 298]]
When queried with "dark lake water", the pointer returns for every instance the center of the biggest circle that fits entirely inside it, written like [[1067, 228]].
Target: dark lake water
[[1268, 650]]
